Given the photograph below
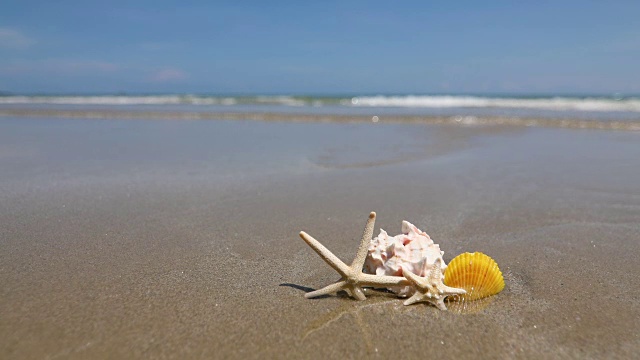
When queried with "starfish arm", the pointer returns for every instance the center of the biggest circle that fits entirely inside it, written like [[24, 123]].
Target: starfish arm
[[358, 262], [330, 289], [413, 278], [453, 291], [382, 280], [356, 292], [348, 291], [436, 271], [440, 304], [417, 297], [326, 255]]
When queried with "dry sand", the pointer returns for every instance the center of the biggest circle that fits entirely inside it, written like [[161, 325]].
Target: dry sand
[[164, 239]]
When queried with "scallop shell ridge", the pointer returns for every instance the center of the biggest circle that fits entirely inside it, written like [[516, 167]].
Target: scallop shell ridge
[[477, 273]]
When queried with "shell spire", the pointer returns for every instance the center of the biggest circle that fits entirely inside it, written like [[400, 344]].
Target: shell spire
[[412, 250]]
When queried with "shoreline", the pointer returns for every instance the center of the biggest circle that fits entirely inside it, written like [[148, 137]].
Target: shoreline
[[564, 123]]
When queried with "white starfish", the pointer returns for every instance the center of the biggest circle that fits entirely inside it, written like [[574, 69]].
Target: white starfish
[[352, 276], [430, 288]]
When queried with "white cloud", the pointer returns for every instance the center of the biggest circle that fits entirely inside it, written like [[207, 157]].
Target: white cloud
[[168, 75], [14, 39]]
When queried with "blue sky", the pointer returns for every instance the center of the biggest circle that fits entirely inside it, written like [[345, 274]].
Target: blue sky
[[322, 47]]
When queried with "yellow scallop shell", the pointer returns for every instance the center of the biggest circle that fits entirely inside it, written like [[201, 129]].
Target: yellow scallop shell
[[477, 273]]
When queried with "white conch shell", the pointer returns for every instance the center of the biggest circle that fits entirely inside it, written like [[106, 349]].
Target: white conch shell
[[412, 250]]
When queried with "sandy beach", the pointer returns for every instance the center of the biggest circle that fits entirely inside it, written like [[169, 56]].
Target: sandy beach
[[179, 239]]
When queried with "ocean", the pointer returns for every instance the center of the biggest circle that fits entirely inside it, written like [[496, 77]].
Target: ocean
[[463, 108]]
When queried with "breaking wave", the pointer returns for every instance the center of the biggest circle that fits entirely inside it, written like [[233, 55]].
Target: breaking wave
[[595, 104], [151, 100], [552, 103]]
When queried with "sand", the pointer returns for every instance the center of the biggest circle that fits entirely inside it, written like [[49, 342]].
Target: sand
[[167, 239], [338, 115]]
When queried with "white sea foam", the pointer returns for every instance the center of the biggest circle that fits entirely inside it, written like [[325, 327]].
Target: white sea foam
[[280, 100], [149, 100], [592, 104], [98, 100], [556, 103]]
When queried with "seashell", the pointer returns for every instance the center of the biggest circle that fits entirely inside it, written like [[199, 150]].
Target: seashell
[[477, 273], [412, 250]]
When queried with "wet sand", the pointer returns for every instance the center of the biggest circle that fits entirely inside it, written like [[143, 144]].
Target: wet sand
[[170, 239], [314, 115]]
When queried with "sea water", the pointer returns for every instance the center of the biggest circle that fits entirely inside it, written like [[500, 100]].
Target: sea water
[[611, 107]]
